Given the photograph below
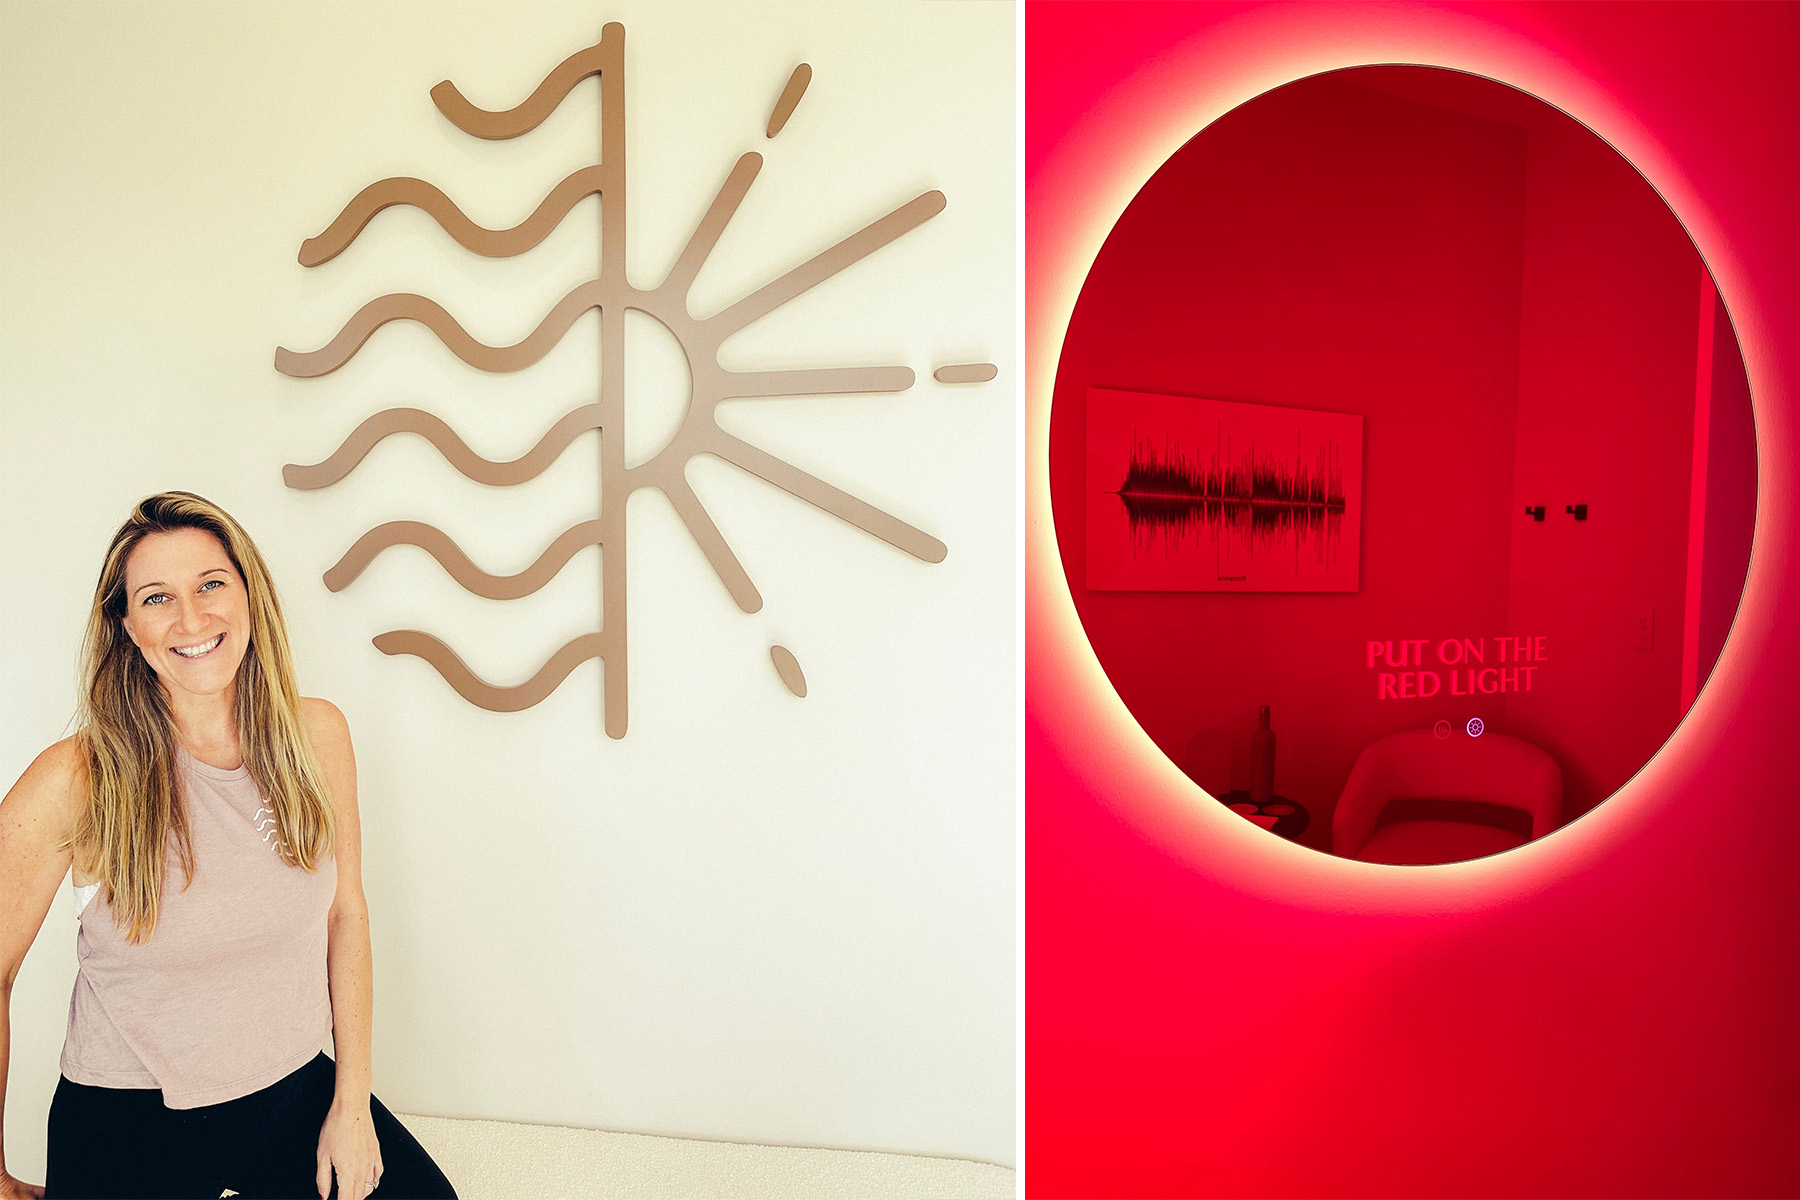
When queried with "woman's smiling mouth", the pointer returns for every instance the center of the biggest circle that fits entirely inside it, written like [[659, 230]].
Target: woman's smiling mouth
[[200, 650]]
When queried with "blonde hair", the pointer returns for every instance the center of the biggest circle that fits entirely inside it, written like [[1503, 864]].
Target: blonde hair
[[127, 738]]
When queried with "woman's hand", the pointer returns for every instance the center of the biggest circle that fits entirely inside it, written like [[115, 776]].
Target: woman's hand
[[14, 1189], [348, 1146]]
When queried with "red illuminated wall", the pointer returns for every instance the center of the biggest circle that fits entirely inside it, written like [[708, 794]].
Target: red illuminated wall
[[1327, 247], [1607, 351], [1609, 1011]]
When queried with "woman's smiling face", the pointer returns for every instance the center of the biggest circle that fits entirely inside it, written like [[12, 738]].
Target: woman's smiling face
[[187, 610]]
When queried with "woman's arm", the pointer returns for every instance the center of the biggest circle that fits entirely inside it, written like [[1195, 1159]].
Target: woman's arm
[[347, 1143], [35, 820]]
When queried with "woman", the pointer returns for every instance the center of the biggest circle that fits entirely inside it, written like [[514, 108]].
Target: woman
[[193, 1059]]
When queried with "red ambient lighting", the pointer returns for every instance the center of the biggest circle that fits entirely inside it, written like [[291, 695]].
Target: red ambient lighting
[[1214, 1011]]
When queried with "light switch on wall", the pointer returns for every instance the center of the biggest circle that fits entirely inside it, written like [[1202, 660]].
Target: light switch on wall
[[1645, 628]]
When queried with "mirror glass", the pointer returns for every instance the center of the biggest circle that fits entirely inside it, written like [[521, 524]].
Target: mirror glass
[[1403, 465]]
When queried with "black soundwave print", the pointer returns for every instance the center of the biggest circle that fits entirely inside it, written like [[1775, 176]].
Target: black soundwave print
[[1260, 501]]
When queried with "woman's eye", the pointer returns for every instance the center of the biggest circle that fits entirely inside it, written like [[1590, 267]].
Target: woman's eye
[[159, 597]]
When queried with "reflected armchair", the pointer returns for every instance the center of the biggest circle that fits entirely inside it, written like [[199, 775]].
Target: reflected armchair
[[1415, 798]]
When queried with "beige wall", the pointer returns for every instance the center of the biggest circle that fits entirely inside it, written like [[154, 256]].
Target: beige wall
[[755, 917]]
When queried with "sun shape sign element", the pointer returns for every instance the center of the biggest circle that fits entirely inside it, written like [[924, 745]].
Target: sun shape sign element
[[612, 294]]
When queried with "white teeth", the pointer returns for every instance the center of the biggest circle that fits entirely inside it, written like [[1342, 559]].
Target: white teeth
[[197, 651]]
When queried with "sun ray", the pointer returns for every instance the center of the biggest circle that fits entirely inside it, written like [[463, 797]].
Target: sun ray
[[965, 373], [789, 98], [819, 381], [451, 557], [712, 543], [822, 495], [788, 667], [712, 225], [386, 424], [823, 266], [478, 691]]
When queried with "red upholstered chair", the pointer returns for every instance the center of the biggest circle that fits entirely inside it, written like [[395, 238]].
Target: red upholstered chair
[[1417, 798]]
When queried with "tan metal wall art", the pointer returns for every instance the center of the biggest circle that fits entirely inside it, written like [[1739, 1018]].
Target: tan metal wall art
[[613, 295]]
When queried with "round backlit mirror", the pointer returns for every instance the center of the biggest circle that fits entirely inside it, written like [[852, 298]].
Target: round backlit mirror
[[1403, 464]]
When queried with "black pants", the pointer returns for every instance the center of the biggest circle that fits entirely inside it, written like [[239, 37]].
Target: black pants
[[119, 1142]]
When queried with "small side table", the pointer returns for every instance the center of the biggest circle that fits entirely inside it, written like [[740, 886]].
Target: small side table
[[1280, 816]]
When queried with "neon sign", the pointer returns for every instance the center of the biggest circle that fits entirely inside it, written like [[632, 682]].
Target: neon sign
[[1460, 666]]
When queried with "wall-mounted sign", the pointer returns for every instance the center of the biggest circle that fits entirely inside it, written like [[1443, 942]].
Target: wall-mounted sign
[[1193, 495], [1404, 669], [612, 293]]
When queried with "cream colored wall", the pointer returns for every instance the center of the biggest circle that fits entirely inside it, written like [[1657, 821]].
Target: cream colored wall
[[754, 918]]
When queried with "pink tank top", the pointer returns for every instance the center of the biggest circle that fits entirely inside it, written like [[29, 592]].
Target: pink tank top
[[229, 993]]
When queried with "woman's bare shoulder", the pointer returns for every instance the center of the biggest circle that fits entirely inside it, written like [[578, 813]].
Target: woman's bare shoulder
[[50, 790], [325, 723], [59, 769], [330, 736]]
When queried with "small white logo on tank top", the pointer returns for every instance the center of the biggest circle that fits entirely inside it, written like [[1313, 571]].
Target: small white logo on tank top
[[271, 832]]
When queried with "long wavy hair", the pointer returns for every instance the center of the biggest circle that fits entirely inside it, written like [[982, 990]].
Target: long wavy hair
[[127, 738]]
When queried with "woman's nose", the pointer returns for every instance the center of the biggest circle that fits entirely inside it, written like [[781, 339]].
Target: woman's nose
[[187, 614]]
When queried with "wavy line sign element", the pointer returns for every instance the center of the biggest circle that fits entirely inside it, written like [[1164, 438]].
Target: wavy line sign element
[[611, 293]]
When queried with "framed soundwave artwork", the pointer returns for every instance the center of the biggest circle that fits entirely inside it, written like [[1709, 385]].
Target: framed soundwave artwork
[[1194, 495]]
